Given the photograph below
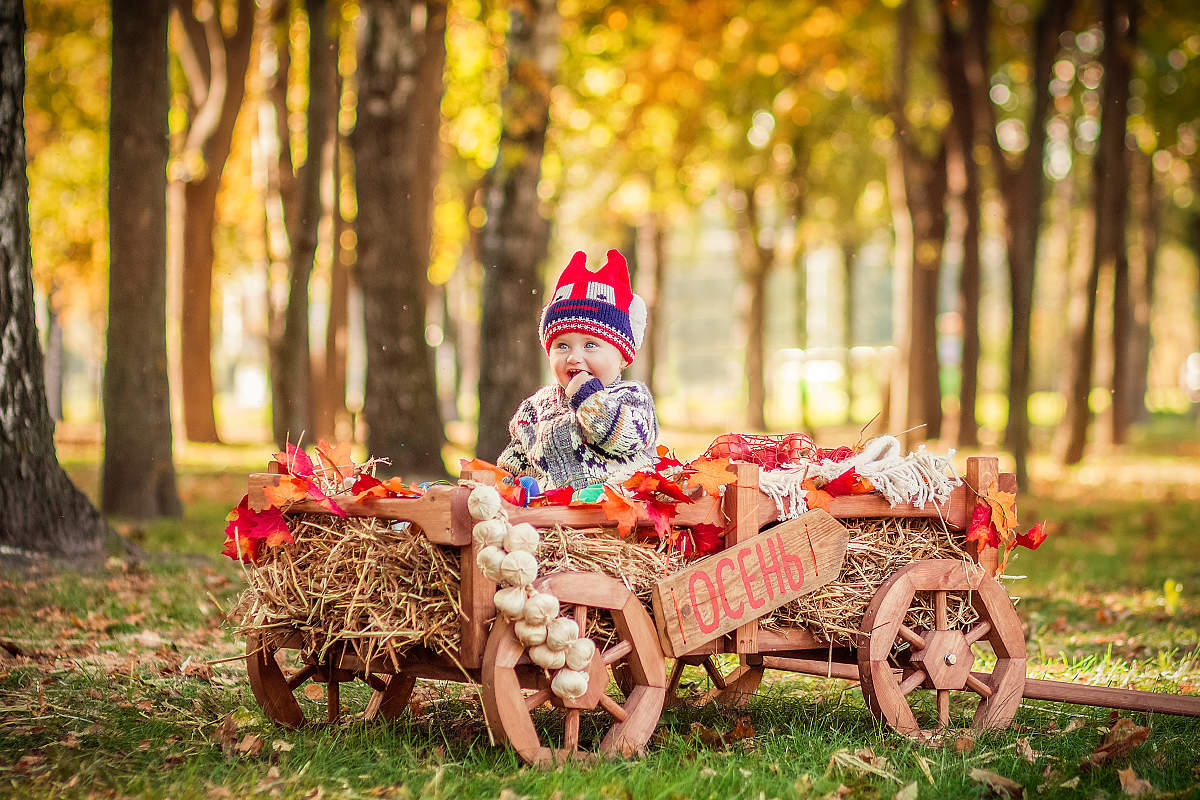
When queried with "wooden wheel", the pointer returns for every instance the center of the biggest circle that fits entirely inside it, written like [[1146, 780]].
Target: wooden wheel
[[941, 659], [732, 689], [514, 689], [279, 689]]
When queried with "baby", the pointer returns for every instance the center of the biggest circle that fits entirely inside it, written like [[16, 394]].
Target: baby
[[589, 426]]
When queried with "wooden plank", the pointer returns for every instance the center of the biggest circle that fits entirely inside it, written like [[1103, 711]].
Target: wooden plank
[[430, 512], [476, 593], [743, 511], [747, 580], [813, 666], [982, 473], [1111, 697]]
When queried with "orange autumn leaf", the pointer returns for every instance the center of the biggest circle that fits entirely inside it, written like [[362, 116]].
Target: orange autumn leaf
[[818, 498], [335, 458], [465, 464], [620, 509], [710, 474], [288, 491], [398, 488], [1004, 509]]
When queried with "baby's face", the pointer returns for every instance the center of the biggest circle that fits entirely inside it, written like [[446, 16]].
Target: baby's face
[[574, 353]]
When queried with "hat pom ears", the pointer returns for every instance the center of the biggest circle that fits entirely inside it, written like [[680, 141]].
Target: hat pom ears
[[637, 320]]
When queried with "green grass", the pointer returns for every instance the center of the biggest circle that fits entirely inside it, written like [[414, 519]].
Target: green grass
[[114, 698]]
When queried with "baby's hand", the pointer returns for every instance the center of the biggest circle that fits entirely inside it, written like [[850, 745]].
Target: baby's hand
[[580, 378]]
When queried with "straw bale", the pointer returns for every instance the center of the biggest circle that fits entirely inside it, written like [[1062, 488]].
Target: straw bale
[[355, 581], [876, 550]]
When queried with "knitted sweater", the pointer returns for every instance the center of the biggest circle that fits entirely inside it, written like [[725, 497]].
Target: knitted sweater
[[602, 433]]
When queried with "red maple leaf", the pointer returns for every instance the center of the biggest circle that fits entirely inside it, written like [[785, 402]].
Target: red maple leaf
[[295, 461], [1035, 537], [323, 499], [666, 459], [704, 538], [842, 484], [661, 514], [248, 549], [981, 529]]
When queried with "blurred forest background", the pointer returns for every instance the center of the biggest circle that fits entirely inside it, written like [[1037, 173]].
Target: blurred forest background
[[976, 217]]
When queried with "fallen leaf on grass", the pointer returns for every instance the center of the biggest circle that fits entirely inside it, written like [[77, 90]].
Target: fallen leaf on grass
[[1027, 752], [861, 760], [1131, 784], [908, 792], [225, 734], [281, 746], [964, 744], [1124, 736], [314, 691], [1070, 783], [998, 784], [251, 745]]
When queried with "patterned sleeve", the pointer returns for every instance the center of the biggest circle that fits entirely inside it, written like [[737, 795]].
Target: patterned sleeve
[[514, 458], [618, 419]]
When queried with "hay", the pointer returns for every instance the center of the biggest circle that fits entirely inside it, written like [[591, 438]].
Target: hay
[[355, 581], [876, 550]]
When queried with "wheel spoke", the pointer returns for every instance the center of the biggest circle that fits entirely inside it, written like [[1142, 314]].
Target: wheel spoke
[[333, 701], [715, 674], [912, 682], [979, 687], [941, 618], [978, 632], [912, 637], [536, 699], [617, 652], [571, 734], [943, 707], [300, 677], [615, 709]]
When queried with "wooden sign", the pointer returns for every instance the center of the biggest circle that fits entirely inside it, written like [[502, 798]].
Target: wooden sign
[[748, 580]]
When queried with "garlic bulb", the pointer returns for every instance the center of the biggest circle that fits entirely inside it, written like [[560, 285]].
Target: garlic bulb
[[541, 608], [519, 568], [490, 532], [529, 635], [543, 656], [579, 653], [511, 601], [522, 536], [484, 502], [569, 684], [489, 560], [560, 632]]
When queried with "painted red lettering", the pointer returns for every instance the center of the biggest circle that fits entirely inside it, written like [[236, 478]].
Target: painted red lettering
[[741, 559], [725, 563], [789, 561], [775, 568], [712, 599]]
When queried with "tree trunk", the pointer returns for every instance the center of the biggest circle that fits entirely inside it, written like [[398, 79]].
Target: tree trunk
[[918, 185], [43, 511], [54, 361], [1110, 200], [402, 49], [656, 316], [1021, 184], [849, 247], [331, 393], [215, 65], [294, 359], [755, 261], [963, 181], [138, 476], [1145, 270], [515, 237]]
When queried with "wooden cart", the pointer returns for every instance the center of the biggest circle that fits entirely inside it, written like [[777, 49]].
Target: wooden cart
[[521, 710]]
